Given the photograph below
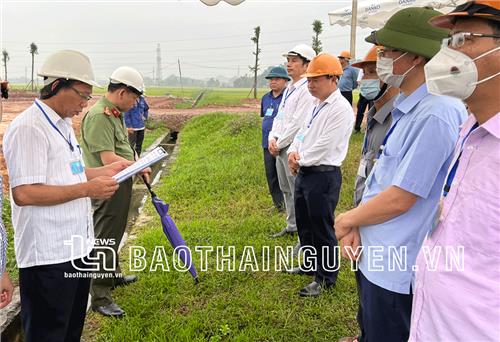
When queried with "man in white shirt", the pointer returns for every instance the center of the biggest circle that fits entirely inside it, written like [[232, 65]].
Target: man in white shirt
[[291, 114], [50, 189], [315, 157]]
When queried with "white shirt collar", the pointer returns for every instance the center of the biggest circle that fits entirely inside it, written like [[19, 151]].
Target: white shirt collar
[[330, 99], [53, 116]]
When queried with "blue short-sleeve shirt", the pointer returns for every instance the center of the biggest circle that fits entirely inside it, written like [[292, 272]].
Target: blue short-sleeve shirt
[[415, 158]]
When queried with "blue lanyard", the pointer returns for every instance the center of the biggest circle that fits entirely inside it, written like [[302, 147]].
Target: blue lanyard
[[387, 137], [287, 95], [315, 113], [271, 105], [453, 171], [369, 126], [55, 127]]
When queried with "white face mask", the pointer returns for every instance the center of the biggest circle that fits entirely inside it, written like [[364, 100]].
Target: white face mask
[[453, 73], [385, 66]]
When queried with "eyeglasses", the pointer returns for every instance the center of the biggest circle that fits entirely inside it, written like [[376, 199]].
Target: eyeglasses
[[382, 51], [82, 95], [458, 39]]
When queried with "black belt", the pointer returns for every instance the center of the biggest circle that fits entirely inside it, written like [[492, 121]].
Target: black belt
[[320, 168]]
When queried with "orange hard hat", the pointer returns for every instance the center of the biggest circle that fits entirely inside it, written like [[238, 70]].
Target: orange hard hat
[[345, 54], [324, 64], [371, 57], [484, 9]]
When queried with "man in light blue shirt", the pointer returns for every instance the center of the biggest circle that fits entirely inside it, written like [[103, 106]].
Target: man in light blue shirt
[[349, 80], [402, 192]]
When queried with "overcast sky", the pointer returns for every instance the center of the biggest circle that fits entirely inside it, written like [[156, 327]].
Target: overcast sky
[[209, 41]]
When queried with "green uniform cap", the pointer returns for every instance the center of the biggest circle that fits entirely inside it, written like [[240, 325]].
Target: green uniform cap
[[409, 30]]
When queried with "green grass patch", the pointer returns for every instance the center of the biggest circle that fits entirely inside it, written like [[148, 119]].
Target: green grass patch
[[228, 96], [11, 266], [219, 197], [154, 130]]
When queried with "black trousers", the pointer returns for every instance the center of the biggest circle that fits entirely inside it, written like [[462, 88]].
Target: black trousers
[[316, 196], [383, 315], [272, 179], [362, 104], [347, 95], [135, 139], [53, 304]]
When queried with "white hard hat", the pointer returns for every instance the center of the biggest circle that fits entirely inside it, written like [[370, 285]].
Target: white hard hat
[[301, 50], [128, 76], [70, 65]]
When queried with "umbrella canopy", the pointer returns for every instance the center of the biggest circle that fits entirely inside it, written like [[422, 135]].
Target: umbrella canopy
[[215, 2], [374, 13], [172, 232]]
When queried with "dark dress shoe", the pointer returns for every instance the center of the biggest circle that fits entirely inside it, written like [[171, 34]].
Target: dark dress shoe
[[282, 233], [299, 271], [314, 289], [123, 281], [110, 310], [281, 208]]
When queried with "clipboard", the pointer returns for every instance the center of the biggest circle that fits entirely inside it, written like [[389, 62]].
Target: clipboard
[[152, 157]]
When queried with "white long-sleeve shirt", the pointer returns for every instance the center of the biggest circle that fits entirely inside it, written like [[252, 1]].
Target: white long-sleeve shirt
[[323, 138], [291, 113]]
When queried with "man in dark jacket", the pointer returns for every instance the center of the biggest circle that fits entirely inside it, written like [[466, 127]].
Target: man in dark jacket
[[135, 120], [278, 78]]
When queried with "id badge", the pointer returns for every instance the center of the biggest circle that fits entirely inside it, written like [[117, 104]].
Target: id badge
[[300, 137], [362, 168], [269, 112], [281, 115], [76, 165]]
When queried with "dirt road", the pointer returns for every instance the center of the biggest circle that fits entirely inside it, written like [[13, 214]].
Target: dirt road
[[161, 108]]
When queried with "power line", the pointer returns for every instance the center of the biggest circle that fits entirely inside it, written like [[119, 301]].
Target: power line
[[205, 48], [156, 41]]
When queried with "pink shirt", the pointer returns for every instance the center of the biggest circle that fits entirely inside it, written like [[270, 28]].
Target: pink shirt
[[456, 304]]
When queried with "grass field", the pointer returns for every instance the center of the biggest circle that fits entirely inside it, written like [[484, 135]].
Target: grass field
[[212, 96], [154, 129], [219, 197]]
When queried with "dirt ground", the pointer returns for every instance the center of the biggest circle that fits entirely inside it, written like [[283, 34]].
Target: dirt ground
[[161, 108]]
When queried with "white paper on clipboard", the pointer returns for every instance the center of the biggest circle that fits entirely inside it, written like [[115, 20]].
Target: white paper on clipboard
[[152, 157]]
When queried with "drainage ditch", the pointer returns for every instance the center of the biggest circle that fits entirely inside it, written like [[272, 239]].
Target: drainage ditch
[[10, 318]]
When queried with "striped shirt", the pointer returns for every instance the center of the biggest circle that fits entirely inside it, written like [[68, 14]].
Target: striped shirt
[[291, 113], [35, 153]]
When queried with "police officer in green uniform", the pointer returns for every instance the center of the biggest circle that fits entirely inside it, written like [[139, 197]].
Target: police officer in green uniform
[[104, 141]]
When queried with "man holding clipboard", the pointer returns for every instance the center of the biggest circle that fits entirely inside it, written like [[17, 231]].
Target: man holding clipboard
[[104, 141]]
